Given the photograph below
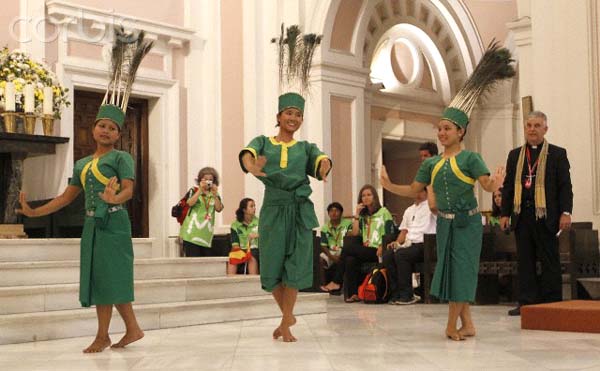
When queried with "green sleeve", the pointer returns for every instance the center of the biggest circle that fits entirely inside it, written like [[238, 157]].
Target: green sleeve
[[424, 172], [255, 147], [324, 239], [389, 222], [315, 158], [477, 167], [125, 166], [76, 178], [235, 238]]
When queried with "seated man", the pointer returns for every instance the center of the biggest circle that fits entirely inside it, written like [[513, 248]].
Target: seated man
[[407, 250], [332, 239]]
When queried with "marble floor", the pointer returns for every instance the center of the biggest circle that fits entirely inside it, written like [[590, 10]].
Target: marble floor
[[348, 337]]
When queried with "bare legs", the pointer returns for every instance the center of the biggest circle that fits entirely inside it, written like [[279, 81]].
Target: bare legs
[[133, 332], [252, 267], [104, 314], [102, 340], [286, 299], [460, 310]]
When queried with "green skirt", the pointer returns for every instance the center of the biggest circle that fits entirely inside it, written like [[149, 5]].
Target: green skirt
[[106, 270], [286, 242], [457, 267]]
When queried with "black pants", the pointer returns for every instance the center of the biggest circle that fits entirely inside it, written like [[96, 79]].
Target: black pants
[[400, 265], [348, 270], [195, 251], [536, 242]]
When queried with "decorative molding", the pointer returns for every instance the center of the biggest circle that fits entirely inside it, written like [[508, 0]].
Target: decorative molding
[[522, 30], [62, 11], [594, 58]]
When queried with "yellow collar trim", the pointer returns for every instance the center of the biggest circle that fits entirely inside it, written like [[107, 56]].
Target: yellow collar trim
[[93, 166], [459, 174], [283, 161], [436, 169]]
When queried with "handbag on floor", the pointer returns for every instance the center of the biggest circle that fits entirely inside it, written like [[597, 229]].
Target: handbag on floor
[[374, 289]]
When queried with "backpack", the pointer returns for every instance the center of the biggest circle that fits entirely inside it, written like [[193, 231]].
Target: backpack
[[374, 289], [180, 210]]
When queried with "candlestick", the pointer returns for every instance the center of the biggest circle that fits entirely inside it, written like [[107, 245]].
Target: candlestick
[[29, 98], [9, 97]]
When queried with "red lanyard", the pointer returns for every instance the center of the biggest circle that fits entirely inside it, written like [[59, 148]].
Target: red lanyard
[[531, 169], [206, 206], [337, 235]]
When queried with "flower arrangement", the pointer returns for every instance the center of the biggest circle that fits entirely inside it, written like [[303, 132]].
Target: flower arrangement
[[17, 67]]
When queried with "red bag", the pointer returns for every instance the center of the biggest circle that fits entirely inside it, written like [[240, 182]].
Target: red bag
[[182, 208], [374, 289]]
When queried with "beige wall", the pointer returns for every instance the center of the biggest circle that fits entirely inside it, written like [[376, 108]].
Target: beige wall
[[341, 153], [491, 16], [383, 113], [166, 11], [232, 106], [10, 11], [343, 26]]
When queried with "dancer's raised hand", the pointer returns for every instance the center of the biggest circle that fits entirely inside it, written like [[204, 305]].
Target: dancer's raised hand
[[25, 208], [324, 169]]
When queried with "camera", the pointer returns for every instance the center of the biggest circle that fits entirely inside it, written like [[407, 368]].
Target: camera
[[209, 183]]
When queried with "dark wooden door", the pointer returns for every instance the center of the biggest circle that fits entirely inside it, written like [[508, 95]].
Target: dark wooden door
[[134, 139]]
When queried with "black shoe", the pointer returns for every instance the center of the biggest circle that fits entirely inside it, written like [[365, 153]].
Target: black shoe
[[515, 311]]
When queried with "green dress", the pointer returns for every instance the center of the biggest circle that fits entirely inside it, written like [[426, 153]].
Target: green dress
[[199, 224], [240, 232], [333, 237], [458, 239], [287, 216], [106, 270]]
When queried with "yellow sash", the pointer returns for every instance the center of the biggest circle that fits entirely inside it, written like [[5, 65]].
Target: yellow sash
[[93, 165], [455, 169]]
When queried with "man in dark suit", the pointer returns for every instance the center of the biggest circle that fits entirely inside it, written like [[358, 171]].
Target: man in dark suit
[[537, 200]]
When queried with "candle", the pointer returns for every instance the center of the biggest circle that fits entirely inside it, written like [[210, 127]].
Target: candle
[[29, 98], [48, 100], [9, 97]]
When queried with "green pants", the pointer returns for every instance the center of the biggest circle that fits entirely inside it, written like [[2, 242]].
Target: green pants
[[286, 243]]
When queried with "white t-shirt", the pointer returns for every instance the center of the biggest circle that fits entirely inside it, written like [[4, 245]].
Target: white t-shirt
[[418, 220]]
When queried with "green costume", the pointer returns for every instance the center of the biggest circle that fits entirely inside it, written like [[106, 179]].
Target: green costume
[[374, 227], [240, 232], [198, 226], [458, 239], [333, 237], [287, 216], [106, 271]]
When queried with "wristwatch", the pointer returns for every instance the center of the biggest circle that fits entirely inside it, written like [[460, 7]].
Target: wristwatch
[[566, 213]]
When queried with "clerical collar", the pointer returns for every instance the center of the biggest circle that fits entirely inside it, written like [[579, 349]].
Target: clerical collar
[[533, 147]]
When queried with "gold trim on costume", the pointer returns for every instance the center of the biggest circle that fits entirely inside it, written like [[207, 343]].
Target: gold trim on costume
[[436, 169], [97, 174], [283, 161], [459, 174], [251, 150]]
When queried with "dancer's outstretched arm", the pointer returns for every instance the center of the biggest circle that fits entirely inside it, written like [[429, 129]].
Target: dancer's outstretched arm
[[401, 190], [54, 205]]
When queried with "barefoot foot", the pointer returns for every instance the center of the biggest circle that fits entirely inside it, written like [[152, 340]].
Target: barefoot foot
[[129, 338], [277, 332], [467, 331], [331, 286], [98, 345], [453, 334]]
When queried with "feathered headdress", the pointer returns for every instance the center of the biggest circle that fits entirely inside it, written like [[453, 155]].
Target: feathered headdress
[[126, 56], [295, 52], [494, 66]]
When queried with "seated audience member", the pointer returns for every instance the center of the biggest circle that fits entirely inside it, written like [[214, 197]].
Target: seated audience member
[[407, 250], [496, 208], [372, 221], [332, 240], [244, 237]]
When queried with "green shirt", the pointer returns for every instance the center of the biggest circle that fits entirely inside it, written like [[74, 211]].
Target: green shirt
[[374, 227], [453, 179], [93, 174], [240, 232], [288, 164], [333, 237], [198, 226]]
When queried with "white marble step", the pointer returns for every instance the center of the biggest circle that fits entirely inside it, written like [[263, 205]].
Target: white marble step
[[42, 298], [56, 249], [20, 328], [55, 272]]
